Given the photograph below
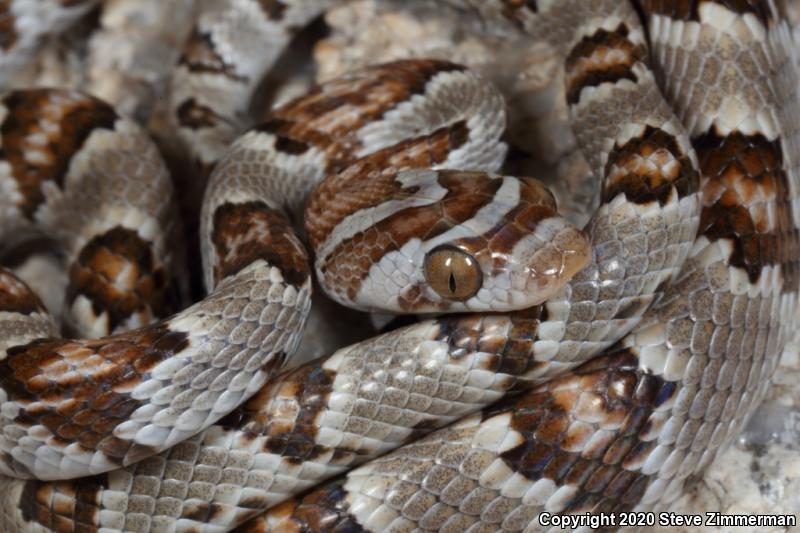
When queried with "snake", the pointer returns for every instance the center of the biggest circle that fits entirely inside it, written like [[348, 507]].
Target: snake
[[562, 371]]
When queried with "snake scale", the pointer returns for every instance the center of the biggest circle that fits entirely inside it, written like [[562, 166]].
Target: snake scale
[[562, 370]]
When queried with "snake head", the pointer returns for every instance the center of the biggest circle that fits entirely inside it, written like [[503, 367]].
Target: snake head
[[463, 242]]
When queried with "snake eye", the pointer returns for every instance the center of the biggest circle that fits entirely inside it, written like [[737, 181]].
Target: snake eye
[[454, 274]]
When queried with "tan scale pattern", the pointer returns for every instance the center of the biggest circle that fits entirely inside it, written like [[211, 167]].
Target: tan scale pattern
[[647, 417], [358, 185], [294, 147], [569, 446], [69, 404], [312, 423], [612, 400], [605, 300]]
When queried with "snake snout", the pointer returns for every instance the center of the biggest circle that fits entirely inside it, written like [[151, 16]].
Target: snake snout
[[549, 251], [576, 252], [563, 251]]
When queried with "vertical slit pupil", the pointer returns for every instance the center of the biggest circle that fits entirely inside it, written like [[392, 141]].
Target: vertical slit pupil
[[452, 282]]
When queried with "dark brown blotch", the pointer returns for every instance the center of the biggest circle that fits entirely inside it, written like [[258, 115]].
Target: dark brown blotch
[[580, 471], [587, 63], [194, 115], [516, 5], [8, 29], [600, 478], [541, 418], [639, 452], [361, 97], [620, 483], [560, 465], [415, 73], [371, 180], [273, 9], [742, 170], [324, 509], [119, 274], [259, 524], [284, 142], [92, 376], [535, 204], [689, 9], [515, 11], [246, 232], [203, 512], [16, 296], [200, 55], [68, 506], [74, 118], [351, 260], [648, 168], [310, 386], [513, 349]]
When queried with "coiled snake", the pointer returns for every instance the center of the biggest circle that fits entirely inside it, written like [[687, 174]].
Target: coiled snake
[[634, 351]]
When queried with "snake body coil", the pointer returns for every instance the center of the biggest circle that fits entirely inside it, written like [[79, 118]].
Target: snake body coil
[[634, 350]]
